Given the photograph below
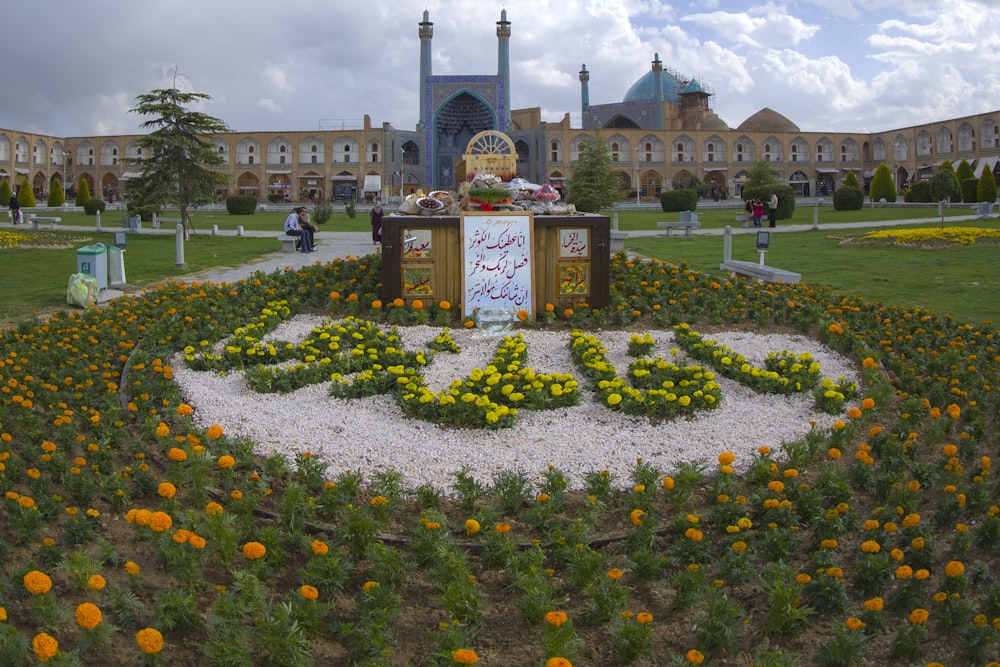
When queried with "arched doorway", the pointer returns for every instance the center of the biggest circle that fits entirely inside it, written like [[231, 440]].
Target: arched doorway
[[455, 123], [248, 185]]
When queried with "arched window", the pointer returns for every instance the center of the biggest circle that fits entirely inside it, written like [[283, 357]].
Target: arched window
[[555, 151]]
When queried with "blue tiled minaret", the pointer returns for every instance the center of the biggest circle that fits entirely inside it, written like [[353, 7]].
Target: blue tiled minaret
[[426, 32], [503, 65], [658, 89], [584, 88]]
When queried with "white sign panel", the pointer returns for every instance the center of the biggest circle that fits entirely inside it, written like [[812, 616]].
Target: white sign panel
[[496, 261]]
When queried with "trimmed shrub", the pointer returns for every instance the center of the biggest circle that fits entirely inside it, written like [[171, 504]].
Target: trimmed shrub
[[241, 205], [786, 198], [83, 194], [963, 173], [882, 186], [57, 197], [92, 206], [5, 193], [25, 195], [986, 190], [679, 200], [920, 192], [851, 180], [848, 199], [969, 188]]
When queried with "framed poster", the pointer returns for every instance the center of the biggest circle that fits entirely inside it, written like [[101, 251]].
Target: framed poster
[[497, 270]]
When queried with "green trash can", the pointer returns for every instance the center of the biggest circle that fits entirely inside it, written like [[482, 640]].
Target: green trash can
[[92, 260]]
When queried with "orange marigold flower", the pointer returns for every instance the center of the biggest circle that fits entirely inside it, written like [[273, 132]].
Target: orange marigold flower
[[918, 616], [502, 528], [854, 623], [904, 572], [96, 582], [319, 547], [37, 583], [88, 615], [695, 657], [726, 458], [226, 462], [871, 547], [954, 569], [874, 604], [556, 618], [160, 521], [471, 526], [868, 403], [635, 516], [376, 304], [444, 305], [558, 662], [465, 656], [309, 592], [369, 586], [150, 640], [614, 573], [254, 550], [177, 455], [196, 541], [213, 508], [803, 578], [214, 432], [162, 430], [417, 304], [669, 484], [693, 534], [643, 617], [184, 409], [166, 490], [44, 646], [132, 568]]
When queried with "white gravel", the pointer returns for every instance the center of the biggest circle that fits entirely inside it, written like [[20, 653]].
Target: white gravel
[[373, 433]]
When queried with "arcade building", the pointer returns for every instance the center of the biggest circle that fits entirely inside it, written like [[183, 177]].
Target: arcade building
[[662, 131]]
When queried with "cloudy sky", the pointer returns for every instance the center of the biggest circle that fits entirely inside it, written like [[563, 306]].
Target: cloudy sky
[[75, 69]]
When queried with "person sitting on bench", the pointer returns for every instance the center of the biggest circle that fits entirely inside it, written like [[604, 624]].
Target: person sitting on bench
[[296, 225]]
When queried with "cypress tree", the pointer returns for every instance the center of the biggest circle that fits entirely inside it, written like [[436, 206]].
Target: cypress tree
[[882, 186], [56, 195], [986, 190], [26, 196], [83, 194]]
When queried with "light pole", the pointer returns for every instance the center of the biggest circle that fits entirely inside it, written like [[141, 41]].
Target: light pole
[[65, 183], [402, 156], [638, 185]]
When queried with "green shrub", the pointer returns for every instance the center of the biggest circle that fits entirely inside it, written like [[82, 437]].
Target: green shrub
[[25, 195], [987, 188], [145, 213], [679, 200], [241, 205], [882, 186], [57, 197], [848, 199], [851, 180], [322, 212], [920, 192], [969, 188], [92, 206], [786, 198], [5, 193], [83, 194], [350, 209]]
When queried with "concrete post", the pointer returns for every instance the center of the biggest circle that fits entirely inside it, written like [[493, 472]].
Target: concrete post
[[614, 221], [239, 230], [727, 244], [816, 216], [215, 230], [97, 216], [180, 263]]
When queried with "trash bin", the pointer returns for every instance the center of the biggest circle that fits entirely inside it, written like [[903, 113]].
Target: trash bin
[[92, 260], [116, 266], [133, 222], [685, 216], [985, 208], [694, 217]]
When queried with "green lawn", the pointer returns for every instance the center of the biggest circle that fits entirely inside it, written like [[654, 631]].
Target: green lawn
[[951, 280]]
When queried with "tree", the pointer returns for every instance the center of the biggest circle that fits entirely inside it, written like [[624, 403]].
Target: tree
[[595, 183], [882, 186], [179, 153], [83, 194], [761, 175], [986, 190], [944, 184], [5, 193], [851, 181], [56, 195], [964, 171], [25, 195]]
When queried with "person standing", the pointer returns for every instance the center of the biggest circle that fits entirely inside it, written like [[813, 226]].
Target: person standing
[[15, 209], [758, 212], [376, 216], [772, 209], [294, 227]]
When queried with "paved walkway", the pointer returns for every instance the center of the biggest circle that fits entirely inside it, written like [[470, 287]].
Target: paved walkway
[[336, 245]]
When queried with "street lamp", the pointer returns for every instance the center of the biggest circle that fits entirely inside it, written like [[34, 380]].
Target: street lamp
[[402, 156], [638, 185], [65, 183]]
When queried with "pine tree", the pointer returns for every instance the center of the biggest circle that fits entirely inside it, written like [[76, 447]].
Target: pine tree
[[882, 186], [56, 195], [26, 196], [595, 184], [179, 151], [83, 194]]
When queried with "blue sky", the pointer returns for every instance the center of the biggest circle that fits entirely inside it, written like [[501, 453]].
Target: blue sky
[[828, 65]]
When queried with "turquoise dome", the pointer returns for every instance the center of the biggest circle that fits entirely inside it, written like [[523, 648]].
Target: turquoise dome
[[642, 89]]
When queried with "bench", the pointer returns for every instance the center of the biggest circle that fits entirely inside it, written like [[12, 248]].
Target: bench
[[760, 271], [687, 226], [745, 219], [157, 221], [288, 243], [34, 220]]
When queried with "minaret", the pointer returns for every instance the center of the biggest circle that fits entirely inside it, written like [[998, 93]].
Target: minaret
[[584, 88], [658, 89], [426, 32], [503, 65]]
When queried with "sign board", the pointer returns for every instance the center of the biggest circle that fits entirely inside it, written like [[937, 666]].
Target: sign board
[[497, 271]]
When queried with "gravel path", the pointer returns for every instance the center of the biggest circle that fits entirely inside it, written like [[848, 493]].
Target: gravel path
[[372, 433]]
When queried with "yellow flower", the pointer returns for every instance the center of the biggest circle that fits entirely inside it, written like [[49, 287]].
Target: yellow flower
[[45, 647], [37, 583], [88, 615], [471, 526], [150, 640], [465, 656], [614, 573], [254, 550], [726, 458], [636, 517], [213, 508]]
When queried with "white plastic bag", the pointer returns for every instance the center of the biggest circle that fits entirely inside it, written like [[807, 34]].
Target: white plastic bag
[[82, 290]]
